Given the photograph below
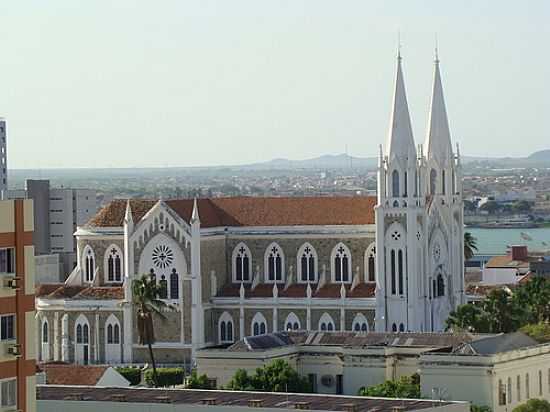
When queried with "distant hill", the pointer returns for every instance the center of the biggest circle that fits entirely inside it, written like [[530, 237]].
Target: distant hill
[[541, 155], [341, 161]]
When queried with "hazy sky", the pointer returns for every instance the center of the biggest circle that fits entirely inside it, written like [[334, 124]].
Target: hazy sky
[[184, 83]]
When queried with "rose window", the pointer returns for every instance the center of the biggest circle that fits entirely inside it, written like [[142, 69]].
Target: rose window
[[162, 256]]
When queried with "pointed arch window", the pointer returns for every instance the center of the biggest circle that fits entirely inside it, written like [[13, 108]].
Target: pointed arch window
[[226, 328], [440, 285], [242, 263], [88, 261], [174, 284], [109, 334], [113, 264], [392, 271], [443, 188], [326, 324], [259, 325], [45, 336], [400, 270], [274, 263], [360, 323], [405, 184], [433, 182], [341, 263], [370, 263], [307, 264], [395, 183], [394, 328], [163, 287], [401, 327], [292, 322]]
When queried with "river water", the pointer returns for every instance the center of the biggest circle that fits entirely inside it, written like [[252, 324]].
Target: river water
[[495, 241]]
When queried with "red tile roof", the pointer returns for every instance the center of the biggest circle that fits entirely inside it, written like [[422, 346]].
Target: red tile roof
[[61, 291], [506, 262], [252, 211], [63, 374], [298, 290]]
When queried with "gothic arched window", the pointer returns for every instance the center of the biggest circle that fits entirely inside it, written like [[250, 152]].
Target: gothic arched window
[[259, 325], [392, 271], [242, 263], [405, 185], [113, 264], [292, 322], [433, 182], [394, 328], [360, 323], [341, 263], [401, 327], [443, 182], [440, 285], [274, 261], [370, 267], [89, 264], [163, 287], [326, 323], [307, 264], [395, 183], [116, 334], [45, 331], [109, 333], [174, 285], [226, 328], [400, 270]]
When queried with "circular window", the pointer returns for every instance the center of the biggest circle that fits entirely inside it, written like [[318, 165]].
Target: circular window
[[162, 256]]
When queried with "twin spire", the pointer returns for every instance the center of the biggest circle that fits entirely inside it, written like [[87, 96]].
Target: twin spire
[[400, 144]]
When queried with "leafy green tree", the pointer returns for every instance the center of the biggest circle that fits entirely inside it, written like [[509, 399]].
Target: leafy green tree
[[533, 405], [469, 318], [470, 245], [196, 381], [146, 303], [534, 300], [278, 376], [404, 387], [490, 206], [501, 312]]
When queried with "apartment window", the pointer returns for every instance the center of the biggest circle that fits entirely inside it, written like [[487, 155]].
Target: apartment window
[[7, 327], [7, 260], [8, 393]]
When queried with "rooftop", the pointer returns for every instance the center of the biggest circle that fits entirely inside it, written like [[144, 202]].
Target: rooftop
[[62, 291], [64, 374], [233, 399], [251, 211], [351, 339]]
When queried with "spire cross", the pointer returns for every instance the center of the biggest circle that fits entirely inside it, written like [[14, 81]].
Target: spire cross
[[399, 45]]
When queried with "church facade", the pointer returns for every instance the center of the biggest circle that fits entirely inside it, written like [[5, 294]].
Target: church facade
[[237, 267]]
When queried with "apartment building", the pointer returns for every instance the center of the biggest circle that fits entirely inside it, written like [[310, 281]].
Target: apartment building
[[17, 323], [3, 158], [58, 213]]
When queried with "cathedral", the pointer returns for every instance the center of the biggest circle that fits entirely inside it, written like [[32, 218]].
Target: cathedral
[[242, 266]]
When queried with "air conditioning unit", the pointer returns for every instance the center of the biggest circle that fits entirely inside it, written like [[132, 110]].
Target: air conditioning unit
[[14, 350], [11, 282]]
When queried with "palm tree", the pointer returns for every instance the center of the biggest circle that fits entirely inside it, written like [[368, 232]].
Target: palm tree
[[470, 245], [145, 293]]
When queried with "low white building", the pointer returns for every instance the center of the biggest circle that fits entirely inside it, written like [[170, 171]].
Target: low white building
[[501, 372], [460, 367]]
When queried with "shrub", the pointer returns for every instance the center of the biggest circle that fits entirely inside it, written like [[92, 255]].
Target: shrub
[[132, 374], [166, 377], [196, 381]]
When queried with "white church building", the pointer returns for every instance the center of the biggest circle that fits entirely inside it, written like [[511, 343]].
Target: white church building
[[242, 266]]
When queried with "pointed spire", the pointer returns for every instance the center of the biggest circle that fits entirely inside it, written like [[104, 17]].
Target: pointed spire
[[128, 214], [195, 214], [400, 138], [438, 140]]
